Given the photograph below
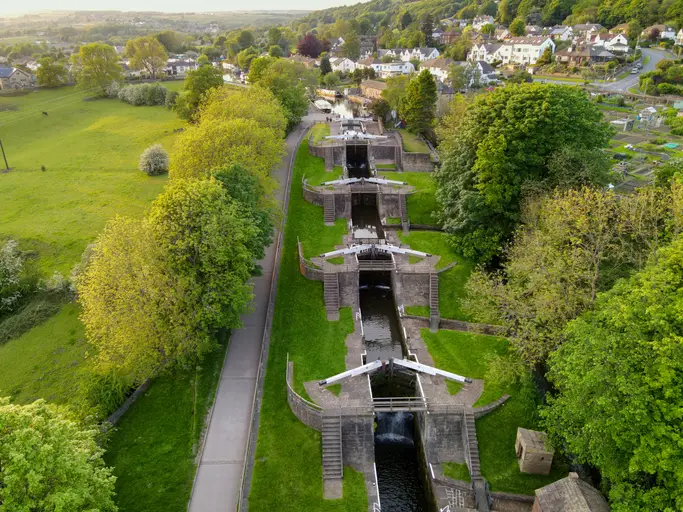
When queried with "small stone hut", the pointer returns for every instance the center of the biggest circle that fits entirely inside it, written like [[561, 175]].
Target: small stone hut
[[570, 494], [533, 454]]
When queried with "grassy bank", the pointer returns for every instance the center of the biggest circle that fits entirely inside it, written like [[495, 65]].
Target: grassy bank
[[320, 131], [451, 282], [421, 204], [412, 143], [469, 354], [154, 445], [90, 150], [288, 471]]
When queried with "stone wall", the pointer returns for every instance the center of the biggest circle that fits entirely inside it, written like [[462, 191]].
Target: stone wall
[[414, 288], [384, 152], [348, 288], [417, 162], [306, 267], [506, 502], [389, 205], [308, 413], [313, 196], [342, 205], [444, 437], [458, 325], [358, 441], [483, 411]]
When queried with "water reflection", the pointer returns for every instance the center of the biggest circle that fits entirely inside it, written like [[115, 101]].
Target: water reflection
[[347, 110]]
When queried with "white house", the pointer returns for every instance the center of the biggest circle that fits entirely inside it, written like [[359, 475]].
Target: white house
[[679, 37], [587, 29], [439, 68], [408, 54], [561, 33], [389, 69], [484, 51], [665, 32], [15, 78], [342, 64], [480, 21], [338, 43], [369, 62], [610, 42], [177, 67], [522, 50], [487, 75]]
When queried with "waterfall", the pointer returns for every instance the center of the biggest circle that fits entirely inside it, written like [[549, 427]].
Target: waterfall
[[394, 427]]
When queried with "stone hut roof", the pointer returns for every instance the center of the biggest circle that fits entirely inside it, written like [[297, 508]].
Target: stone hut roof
[[570, 494]]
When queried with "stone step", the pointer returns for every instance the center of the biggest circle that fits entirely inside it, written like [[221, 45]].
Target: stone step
[[333, 467]]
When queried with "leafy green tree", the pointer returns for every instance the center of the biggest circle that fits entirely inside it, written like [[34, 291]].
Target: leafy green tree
[[11, 268], [427, 28], [380, 109], [50, 463], [518, 27], [146, 53], [246, 56], [352, 46], [258, 67], [96, 66], [172, 40], [488, 29], [619, 387], [51, 73], [671, 170], [325, 66], [274, 36], [396, 91], [406, 19], [418, 107], [458, 77], [211, 145], [546, 58], [275, 51], [504, 140], [197, 83], [245, 39]]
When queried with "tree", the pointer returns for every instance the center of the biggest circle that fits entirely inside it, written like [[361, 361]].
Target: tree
[[458, 77], [504, 139], [406, 19], [51, 463], [380, 109], [197, 83], [245, 39], [11, 268], [51, 73], [258, 68], [97, 66], [427, 28], [518, 27], [546, 58], [619, 387], [275, 51], [396, 90], [274, 36], [310, 46], [154, 160], [246, 56], [418, 107], [211, 145], [671, 170], [352, 46], [325, 66], [255, 102], [146, 53], [172, 41], [489, 29]]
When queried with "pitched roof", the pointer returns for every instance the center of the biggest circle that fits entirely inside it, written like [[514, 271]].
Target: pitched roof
[[558, 29], [440, 63], [374, 84], [526, 40], [6, 72], [486, 68], [571, 494], [369, 61]]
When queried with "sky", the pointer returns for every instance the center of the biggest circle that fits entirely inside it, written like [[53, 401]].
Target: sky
[[25, 6]]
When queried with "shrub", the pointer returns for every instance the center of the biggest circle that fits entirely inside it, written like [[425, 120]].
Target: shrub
[[11, 268], [171, 97], [154, 160], [27, 318], [143, 94], [113, 90], [102, 393]]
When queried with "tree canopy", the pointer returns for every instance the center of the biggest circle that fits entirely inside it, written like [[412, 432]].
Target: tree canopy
[[418, 108], [51, 73], [501, 146], [96, 67], [50, 463], [197, 83], [146, 53], [619, 378]]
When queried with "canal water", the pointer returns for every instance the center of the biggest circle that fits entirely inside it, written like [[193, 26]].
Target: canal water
[[347, 110], [396, 457]]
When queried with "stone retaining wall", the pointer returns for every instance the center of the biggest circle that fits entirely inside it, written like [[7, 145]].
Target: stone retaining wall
[[116, 415], [389, 205], [332, 154], [385, 152], [506, 502], [313, 196], [414, 288], [483, 411], [358, 441], [308, 413], [348, 288], [417, 162], [444, 437], [306, 267], [459, 325]]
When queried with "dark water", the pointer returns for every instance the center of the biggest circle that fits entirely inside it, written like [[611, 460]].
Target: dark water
[[357, 160], [400, 486], [365, 218], [380, 324]]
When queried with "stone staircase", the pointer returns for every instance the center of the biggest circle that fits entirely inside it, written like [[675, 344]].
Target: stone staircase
[[472, 455], [434, 316], [331, 294], [333, 469], [328, 209]]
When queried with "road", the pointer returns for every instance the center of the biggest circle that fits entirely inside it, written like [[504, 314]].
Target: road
[[222, 458]]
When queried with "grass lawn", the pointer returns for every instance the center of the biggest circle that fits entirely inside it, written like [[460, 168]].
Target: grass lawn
[[90, 150], [412, 143], [451, 282], [320, 131], [467, 354], [154, 445], [456, 471], [422, 203], [45, 362], [390, 167], [288, 471]]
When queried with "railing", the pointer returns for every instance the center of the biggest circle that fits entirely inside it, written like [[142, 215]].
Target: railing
[[367, 188], [408, 403], [447, 508], [376, 265], [376, 507]]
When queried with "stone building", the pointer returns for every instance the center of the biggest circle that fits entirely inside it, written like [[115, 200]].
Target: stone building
[[533, 454], [570, 494], [15, 78]]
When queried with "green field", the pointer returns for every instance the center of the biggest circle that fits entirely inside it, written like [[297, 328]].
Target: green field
[[468, 354], [89, 149], [288, 470]]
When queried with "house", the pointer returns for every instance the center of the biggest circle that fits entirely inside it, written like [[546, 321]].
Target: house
[[561, 33], [177, 67], [439, 68], [569, 494], [501, 33], [480, 21], [456, 22], [480, 37], [389, 69], [450, 37], [407, 54], [302, 59], [665, 32], [369, 62], [584, 30], [15, 78], [487, 75], [622, 28], [368, 45], [534, 30], [516, 50], [576, 54], [484, 52], [372, 89], [338, 43], [342, 64], [611, 42], [679, 37], [437, 34]]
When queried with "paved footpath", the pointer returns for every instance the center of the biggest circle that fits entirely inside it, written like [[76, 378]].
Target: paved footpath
[[219, 476]]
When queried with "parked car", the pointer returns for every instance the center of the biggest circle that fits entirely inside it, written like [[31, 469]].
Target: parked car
[[634, 71]]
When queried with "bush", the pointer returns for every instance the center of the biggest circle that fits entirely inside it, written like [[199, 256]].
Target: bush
[[102, 394], [143, 94], [665, 88], [27, 318], [171, 97], [154, 160], [113, 90]]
